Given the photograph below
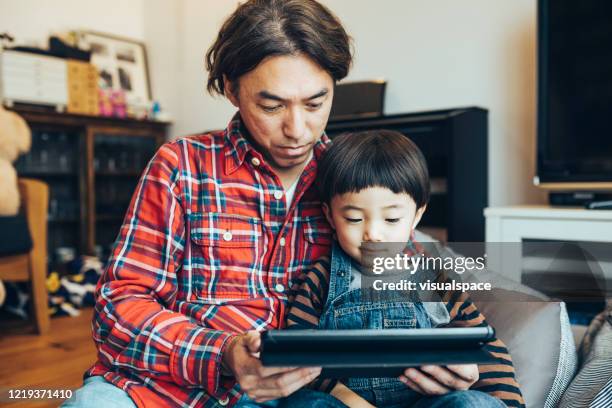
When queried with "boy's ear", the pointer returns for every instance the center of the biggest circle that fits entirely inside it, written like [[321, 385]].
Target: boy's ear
[[418, 216], [327, 212], [228, 91]]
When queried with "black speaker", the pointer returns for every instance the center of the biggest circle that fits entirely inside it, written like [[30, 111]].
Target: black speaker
[[358, 100]]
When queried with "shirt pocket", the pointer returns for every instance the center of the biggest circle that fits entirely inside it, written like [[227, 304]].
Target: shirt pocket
[[225, 248], [226, 230]]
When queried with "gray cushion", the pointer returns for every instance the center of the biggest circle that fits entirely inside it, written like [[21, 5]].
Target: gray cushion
[[540, 341]]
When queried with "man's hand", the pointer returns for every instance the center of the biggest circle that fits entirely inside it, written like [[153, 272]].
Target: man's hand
[[438, 380], [258, 382]]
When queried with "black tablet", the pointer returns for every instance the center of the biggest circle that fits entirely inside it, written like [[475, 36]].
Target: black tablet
[[375, 353]]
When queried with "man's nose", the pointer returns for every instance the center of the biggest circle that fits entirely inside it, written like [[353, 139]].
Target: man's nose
[[294, 126]]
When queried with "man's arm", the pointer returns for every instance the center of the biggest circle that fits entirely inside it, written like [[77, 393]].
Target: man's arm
[[133, 329]]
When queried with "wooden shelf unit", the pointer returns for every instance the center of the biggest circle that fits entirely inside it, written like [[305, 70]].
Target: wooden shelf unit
[[75, 155]]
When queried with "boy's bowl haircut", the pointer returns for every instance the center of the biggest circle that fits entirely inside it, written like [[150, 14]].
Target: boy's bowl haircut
[[374, 158]]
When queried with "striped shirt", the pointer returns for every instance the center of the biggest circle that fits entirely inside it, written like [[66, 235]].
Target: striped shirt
[[207, 249], [496, 379]]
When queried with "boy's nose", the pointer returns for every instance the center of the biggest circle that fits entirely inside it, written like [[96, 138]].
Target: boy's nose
[[372, 234]]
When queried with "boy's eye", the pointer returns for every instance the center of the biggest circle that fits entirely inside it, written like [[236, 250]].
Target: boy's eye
[[270, 109], [353, 220], [392, 220]]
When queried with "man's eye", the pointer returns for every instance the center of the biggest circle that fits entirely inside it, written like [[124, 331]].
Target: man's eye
[[270, 108], [353, 220], [392, 220], [314, 106]]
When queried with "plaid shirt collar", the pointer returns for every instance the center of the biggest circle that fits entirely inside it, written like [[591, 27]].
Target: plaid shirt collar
[[237, 145]]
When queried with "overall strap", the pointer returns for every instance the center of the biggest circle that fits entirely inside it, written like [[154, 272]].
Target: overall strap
[[339, 275]]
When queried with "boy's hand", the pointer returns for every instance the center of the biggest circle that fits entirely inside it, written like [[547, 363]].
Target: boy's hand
[[439, 380], [261, 383]]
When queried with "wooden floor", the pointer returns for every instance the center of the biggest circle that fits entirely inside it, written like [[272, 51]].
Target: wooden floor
[[56, 360]]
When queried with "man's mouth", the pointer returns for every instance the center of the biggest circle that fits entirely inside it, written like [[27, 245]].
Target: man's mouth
[[295, 151]]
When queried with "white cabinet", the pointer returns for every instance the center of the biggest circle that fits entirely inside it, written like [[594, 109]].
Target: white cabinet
[[519, 223]]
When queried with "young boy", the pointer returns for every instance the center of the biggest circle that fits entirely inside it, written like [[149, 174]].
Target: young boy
[[375, 188]]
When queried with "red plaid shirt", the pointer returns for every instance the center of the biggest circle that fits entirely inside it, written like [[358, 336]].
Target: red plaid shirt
[[208, 249]]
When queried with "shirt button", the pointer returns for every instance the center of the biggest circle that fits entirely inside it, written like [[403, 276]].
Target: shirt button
[[255, 161], [227, 236], [224, 401], [282, 241], [279, 287], [278, 194]]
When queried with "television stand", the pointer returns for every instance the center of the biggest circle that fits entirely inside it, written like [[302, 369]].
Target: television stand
[[577, 198], [558, 276]]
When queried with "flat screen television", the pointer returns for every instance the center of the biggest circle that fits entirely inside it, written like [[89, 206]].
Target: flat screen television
[[574, 131]]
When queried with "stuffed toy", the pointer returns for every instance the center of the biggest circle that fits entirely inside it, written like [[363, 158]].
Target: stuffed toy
[[15, 139], [2, 294]]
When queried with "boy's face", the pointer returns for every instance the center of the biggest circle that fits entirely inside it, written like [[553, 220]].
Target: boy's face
[[373, 215]]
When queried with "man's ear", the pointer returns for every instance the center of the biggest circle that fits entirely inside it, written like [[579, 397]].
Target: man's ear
[[228, 88], [418, 216], [328, 215]]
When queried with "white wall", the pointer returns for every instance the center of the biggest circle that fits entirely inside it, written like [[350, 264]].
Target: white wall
[[31, 21], [434, 54], [447, 53], [163, 29]]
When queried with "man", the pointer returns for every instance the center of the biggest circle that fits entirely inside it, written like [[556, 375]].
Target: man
[[222, 224]]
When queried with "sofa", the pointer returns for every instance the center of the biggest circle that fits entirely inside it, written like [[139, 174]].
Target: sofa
[[557, 365]]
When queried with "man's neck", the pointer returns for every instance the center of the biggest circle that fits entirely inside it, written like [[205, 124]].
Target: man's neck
[[290, 175]]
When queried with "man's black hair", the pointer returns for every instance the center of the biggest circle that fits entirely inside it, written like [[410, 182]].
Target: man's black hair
[[259, 29]]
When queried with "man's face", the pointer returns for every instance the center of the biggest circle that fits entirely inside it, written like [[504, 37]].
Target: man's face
[[366, 220], [284, 103]]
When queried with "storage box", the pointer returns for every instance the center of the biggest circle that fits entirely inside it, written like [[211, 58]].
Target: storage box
[[82, 88], [32, 78]]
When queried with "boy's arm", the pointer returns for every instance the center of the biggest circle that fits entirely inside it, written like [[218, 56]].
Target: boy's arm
[[310, 294], [349, 397], [498, 379]]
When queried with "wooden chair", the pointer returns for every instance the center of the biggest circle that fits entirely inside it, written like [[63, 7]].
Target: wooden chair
[[32, 266]]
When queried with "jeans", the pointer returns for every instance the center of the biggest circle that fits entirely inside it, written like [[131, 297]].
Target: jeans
[[314, 399], [97, 392], [303, 398], [460, 399]]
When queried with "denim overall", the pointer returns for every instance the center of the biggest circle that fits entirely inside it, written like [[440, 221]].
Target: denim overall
[[361, 309]]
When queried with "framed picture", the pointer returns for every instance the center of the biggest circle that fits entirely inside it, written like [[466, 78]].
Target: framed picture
[[121, 63]]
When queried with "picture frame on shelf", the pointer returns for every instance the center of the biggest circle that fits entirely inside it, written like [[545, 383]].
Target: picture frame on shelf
[[121, 62]]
